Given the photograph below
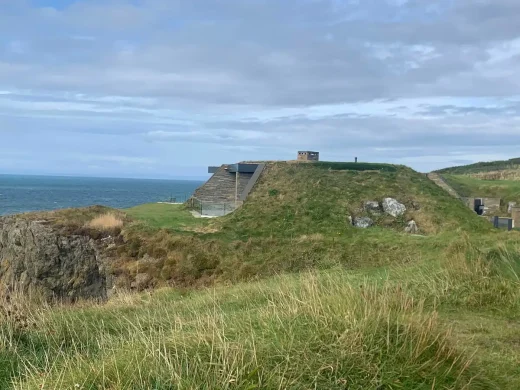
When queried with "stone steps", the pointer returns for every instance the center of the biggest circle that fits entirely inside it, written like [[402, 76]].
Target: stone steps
[[220, 188], [437, 179]]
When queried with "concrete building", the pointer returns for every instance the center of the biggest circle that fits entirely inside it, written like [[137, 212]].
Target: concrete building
[[308, 156], [483, 206], [227, 189]]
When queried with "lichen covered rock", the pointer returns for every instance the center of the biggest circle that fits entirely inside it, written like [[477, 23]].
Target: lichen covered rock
[[34, 256], [363, 222], [393, 207]]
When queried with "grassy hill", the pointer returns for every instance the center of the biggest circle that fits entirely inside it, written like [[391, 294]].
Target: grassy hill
[[496, 179], [482, 167], [467, 186], [285, 293], [296, 209], [296, 199]]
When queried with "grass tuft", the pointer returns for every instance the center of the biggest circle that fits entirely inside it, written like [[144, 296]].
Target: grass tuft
[[106, 222]]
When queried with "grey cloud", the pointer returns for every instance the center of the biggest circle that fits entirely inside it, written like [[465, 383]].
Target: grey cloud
[[164, 72], [264, 52]]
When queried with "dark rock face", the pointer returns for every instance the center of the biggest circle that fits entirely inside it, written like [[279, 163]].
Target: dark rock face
[[37, 257]]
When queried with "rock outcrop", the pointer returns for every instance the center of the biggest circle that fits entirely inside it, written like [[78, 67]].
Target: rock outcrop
[[36, 256]]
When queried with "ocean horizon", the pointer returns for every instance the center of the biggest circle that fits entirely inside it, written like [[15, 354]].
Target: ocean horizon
[[27, 193]]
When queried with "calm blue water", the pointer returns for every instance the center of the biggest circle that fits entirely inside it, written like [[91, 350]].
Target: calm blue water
[[20, 194]]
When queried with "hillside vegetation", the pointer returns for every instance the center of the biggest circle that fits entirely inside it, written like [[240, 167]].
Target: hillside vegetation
[[296, 199], [295, 219], [449, 325], [483, 167], [496, 179], [467, 186], [283, 293]]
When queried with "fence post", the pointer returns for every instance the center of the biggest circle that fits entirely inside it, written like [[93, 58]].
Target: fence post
[[495, 222], [510, 224]]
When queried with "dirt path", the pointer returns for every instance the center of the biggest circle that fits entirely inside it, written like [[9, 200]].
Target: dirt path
[[437, 179]]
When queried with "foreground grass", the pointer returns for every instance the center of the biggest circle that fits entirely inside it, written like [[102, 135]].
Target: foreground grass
[[409, 327]]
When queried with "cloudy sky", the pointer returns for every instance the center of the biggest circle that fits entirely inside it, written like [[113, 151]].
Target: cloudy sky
[[163, 88]]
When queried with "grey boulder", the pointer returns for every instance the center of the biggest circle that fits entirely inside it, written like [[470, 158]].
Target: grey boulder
[[393, 207], [363, 222]]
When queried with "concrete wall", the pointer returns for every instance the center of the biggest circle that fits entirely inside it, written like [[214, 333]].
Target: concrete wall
[[220, 188], [491, 205], [515, 214], [222, 193], [308, 156]]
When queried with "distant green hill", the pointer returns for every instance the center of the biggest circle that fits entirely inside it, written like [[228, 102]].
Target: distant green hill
[[480, 167]]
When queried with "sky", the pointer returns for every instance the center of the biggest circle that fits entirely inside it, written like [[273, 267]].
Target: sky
[[164, 88]]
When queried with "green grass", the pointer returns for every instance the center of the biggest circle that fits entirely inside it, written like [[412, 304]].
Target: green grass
[[350, 166], [446, 325], [165, 216], [291, 200], [508, 190], [482, 167]]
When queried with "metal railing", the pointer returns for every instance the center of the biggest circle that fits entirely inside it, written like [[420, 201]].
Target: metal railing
[[211, 209]]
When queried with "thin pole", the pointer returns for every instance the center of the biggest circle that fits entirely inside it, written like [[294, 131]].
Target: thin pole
[[236, 188]]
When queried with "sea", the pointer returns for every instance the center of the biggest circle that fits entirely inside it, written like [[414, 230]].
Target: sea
[[20, 194]]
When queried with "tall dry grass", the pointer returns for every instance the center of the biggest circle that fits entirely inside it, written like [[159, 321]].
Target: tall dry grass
[[511, 174], [106, 222]]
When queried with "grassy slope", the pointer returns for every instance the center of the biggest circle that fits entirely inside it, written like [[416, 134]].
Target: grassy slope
[[296, 219], [495, 179], [508, 190], [490, 166], [165, 216], [292, 200], [450, 325]]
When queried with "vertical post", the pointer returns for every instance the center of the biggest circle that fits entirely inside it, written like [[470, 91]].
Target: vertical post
[[510, 224], [236, 187], [495, 222]]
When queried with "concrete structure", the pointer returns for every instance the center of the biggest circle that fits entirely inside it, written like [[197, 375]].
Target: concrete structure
[[227, 189], [439, 180], [483, 206], [503, 223], [308, 156], [515, 215]]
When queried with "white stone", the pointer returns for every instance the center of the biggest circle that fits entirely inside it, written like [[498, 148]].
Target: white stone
[[412, 227], [393, 207]]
